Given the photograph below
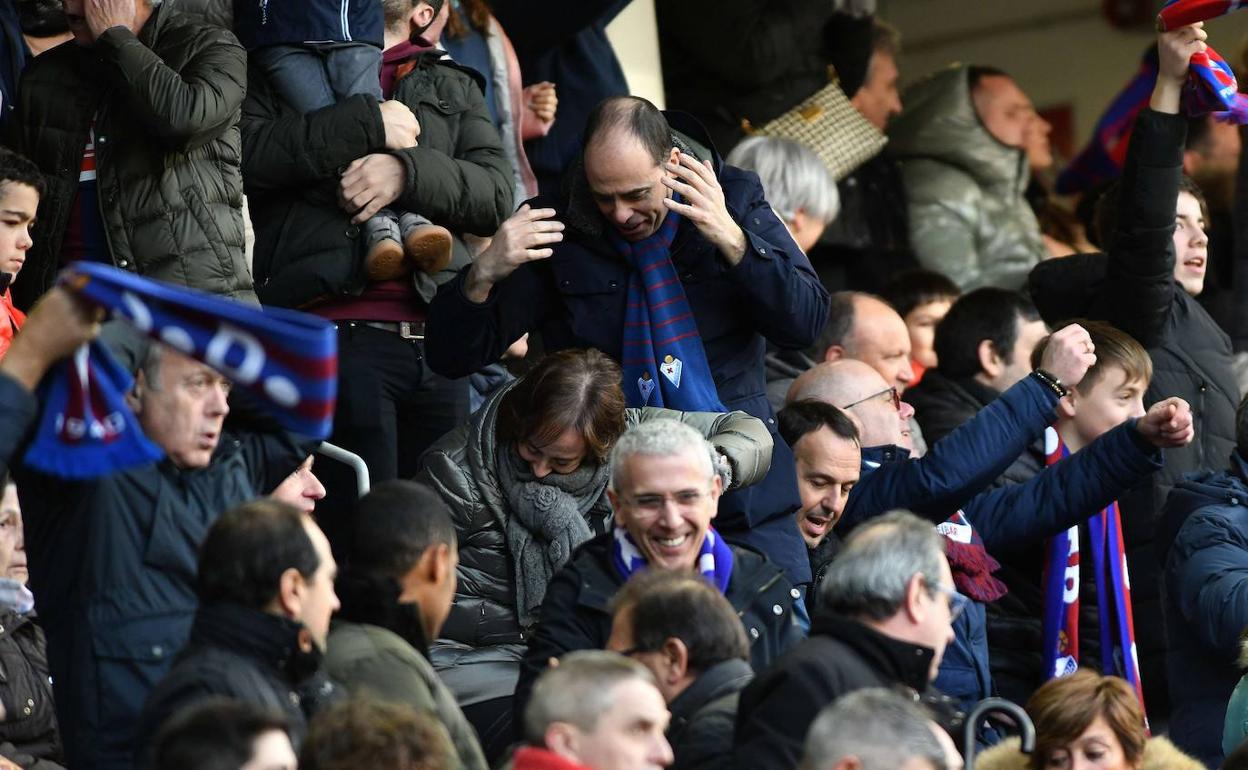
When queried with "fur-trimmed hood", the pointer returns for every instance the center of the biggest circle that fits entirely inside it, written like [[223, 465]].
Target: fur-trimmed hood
[[1159, 754]]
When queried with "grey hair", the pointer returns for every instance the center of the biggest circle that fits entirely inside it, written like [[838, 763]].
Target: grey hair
[[793, 177], [578, 691], [869, 576], [663, 437], [881, 728]]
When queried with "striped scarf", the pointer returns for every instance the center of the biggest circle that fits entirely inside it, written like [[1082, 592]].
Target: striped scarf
[[1062, 582], [663, 358]]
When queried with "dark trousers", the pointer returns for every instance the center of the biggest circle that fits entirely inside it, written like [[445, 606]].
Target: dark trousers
[[391, 407]]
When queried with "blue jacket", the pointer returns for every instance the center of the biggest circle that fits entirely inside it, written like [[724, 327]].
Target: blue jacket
[[113, 562], [1206, 582], [957, 467], [576, 299], [259, 23]]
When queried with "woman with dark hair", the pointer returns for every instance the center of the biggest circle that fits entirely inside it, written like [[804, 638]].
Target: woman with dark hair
[[1091, 722], [526, 482]]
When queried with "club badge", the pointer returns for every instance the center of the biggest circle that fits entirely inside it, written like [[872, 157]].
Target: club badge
[[671, 369]]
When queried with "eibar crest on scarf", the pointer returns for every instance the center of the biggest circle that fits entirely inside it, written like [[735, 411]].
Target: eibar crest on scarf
[[289, 360], [671, 369], [646, 386]]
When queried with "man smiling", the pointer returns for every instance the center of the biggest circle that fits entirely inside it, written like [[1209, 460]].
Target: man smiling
[[665, 491]]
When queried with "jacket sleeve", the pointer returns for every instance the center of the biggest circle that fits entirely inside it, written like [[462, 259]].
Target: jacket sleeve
[[536, 33], [1139, 285], [1208, 579], [462, 337], [183, 109], [283, 149], [560, 629], [961, 465], [782, 292], [18, 409], [470, 192], [1015, 517], [745, 440]]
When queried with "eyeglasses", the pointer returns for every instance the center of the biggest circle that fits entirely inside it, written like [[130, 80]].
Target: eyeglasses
[[684, 499], [892, 392], [957, 602]]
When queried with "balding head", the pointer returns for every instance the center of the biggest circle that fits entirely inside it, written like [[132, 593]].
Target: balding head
[[862, 393], [627, 141], [876, 335]]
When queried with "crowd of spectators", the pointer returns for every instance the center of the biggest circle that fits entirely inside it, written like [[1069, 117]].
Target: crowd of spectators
[[658, 440]]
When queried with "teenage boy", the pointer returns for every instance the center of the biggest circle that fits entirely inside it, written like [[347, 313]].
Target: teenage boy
[[21, 185], [1069, 596]]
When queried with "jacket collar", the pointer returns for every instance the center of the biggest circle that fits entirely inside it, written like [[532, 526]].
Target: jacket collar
[[723, 678], [533, 758], [270, 640], [375, 601], [909, 664]]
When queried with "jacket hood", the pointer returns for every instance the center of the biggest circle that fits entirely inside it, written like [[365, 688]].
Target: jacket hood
[[1065, 288], [940, 123], [1159, 754], [374, 600], [1202, 490]]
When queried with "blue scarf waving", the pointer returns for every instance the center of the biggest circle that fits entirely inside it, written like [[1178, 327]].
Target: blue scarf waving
[[663, 358], [288, 359], [714, 558]]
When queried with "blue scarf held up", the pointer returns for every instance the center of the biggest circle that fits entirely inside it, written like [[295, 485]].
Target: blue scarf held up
[[663, 358], [714, 558], [288, 359]]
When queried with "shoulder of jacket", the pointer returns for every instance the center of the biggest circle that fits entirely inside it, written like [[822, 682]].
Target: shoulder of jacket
[[929, 178], [1161, 754], [183, 30]]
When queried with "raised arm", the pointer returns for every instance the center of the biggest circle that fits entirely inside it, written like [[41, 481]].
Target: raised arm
[[743, 439]]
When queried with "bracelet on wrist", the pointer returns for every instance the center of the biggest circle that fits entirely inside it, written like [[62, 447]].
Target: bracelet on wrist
[[1050, 381]]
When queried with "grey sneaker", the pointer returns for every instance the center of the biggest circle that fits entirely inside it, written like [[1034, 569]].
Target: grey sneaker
[[384, 260], [428, 246]]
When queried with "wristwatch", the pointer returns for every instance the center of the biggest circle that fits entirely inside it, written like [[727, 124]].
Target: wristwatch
[[1050, 381]]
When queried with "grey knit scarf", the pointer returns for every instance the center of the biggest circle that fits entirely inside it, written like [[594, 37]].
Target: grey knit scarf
[[549, 519]]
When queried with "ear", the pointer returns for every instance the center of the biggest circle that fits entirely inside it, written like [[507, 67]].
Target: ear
[[423, 16], [561, 738], [677, 655], [717, 489], [134, 399], [614, 499], [1191, 161], [848, 763], [1068, 405], [989, 361], [439, 564], [290, 593], [915, 602], [673, 157], [834, 353]]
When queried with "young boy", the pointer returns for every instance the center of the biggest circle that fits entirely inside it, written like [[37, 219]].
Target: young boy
[[21, 185], [317, 53], [921, 298], [1086, 565]]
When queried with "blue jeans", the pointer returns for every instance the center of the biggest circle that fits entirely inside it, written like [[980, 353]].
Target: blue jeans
[[316, 75]]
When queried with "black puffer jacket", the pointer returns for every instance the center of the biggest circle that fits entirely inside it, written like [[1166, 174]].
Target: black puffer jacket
[[1133, 288], [705, 715], [25, 689], [306, 247], [165, 106]]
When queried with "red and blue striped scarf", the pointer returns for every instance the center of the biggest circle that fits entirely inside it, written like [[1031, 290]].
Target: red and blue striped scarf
[[663, 358], [289, 360], [1062, 581]]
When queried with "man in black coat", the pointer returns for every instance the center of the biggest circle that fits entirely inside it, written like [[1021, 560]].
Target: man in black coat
[[888, 610], [688, 635], [266, 591], [1146, 285]]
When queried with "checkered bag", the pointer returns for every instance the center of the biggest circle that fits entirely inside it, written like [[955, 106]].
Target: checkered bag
[[830, 126]]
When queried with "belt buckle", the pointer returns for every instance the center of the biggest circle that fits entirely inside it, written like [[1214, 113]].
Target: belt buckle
[[411, 330]]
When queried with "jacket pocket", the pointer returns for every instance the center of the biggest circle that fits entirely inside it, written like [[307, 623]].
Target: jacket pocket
[[130, 656]]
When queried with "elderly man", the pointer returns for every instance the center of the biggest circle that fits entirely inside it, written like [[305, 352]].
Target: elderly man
[[947, 486], [668, 261], [888, 608], [595, 711], [664, 491], [873, 729], [266, 591], [113, 559], [134, 125], [677, 625]]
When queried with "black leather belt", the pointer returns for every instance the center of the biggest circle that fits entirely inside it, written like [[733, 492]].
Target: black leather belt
[[408, 330]]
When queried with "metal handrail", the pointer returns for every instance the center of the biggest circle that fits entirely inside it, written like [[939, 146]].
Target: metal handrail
[[350, 459]]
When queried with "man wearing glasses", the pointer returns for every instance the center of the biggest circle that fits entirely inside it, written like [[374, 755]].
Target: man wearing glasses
[[664, 490], [886, 618], [947, 487]]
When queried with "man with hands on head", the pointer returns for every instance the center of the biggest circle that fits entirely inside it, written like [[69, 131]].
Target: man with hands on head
[[647, 187], [134, 125]]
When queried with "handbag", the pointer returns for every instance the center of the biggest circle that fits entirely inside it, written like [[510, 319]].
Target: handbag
[[828, 125]]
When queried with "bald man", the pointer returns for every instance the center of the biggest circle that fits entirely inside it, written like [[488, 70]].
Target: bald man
[[947, 486]]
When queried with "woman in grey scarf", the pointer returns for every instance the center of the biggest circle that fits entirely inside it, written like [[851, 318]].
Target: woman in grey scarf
[[526, 481]]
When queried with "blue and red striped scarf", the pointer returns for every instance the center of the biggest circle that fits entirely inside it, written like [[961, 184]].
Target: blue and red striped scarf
[[289, 360], [663, 358], [1062, 581]]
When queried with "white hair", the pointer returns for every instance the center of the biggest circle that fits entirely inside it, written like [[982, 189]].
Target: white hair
[[793, 177]]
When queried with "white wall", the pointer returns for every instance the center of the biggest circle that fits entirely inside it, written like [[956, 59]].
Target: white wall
[[634, 35]]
